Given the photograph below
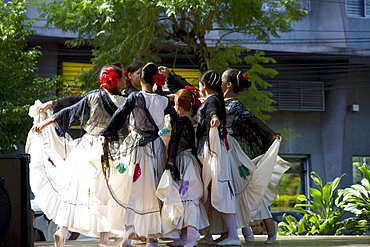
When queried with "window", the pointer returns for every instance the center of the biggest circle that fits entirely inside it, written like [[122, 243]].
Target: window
[[356, 173], [358, 8], [298, 95], [293, 183], [191, 75], [70, 70]]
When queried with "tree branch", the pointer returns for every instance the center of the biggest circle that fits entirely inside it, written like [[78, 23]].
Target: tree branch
[[207, 20]]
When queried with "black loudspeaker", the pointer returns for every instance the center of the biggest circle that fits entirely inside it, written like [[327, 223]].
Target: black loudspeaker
[[18, 232]]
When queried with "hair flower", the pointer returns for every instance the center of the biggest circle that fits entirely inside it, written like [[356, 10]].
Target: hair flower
[[128, 80], [110, 79], [189, 88], [159, 79], [245, 76], [196, 93]]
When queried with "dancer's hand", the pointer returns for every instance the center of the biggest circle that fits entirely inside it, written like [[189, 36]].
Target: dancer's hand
[[215, 122], [40, 126], [164, 70], [37, 128], [277, 137], [102, 140], [45, 106], [174, 171], [171, 96]]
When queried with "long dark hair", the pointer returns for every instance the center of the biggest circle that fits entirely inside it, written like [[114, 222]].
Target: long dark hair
[[212, 80]]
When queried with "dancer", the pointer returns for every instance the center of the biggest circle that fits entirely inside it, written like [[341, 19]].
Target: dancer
[[132, 73], [256, 138], [77, 201], [217, 179], [184, 166], [133, 177], [61, 103]]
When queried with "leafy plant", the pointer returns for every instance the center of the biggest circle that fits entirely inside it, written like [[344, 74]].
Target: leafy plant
[[323, 214], [356, 199]]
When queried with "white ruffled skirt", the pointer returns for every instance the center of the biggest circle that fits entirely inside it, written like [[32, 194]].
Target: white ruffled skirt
[[131, 185], [47, 164], [251, 180], [217, 179], [78, 207], [182, 205]]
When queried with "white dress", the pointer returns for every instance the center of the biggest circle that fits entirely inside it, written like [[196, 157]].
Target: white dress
[[48, 151], [251, 179], [182, 205], [134, 174], [74, 204]]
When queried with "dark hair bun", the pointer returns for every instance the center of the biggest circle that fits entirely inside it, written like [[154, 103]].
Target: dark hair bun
[[148, 72]]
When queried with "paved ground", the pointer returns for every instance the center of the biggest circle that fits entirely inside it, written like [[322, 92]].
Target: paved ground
[[297, 241]]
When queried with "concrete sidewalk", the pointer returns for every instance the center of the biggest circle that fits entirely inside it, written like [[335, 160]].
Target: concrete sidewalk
[[297, 241]]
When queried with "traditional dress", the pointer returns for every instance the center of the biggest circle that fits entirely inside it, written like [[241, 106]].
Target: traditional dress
[[133, 174], [255, 180], [74, 204], [48, 151], [216, 173], [189, 191]]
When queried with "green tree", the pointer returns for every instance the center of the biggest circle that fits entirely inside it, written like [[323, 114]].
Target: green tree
[[19, 85], [134, 30]]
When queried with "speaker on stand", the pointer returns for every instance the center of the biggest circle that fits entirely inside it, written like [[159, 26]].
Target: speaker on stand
[[15, 210], [5, 211]]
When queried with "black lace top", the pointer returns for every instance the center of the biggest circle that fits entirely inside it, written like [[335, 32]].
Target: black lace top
[[92, 112], [61, 103], [253, 135], [182, 138], [211, 106], [141, 120]]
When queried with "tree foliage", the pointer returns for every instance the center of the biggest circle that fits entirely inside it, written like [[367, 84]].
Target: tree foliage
[[133, 30], [19, 85]]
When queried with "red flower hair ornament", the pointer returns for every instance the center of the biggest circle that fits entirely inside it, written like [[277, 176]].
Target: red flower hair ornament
[[159, 79], [196, 94], [244, 88], [128, 80], [110, 79]]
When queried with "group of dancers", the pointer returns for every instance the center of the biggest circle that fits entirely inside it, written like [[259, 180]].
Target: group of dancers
[[122, 178]]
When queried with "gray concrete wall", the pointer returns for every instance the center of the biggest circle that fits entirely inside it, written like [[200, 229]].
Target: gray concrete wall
[[332, 137]]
